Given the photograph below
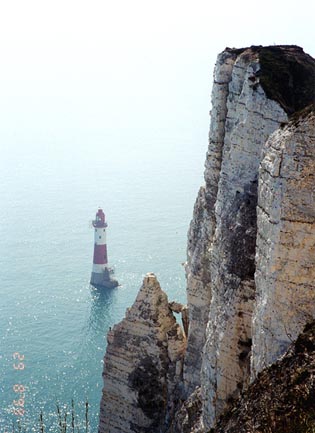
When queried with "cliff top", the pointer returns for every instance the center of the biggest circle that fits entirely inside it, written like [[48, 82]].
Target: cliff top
[[287, 74]]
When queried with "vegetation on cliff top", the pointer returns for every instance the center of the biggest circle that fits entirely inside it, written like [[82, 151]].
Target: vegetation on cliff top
[[287, 74]]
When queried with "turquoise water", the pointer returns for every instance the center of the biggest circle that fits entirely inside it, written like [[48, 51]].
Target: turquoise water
[[49, 313]]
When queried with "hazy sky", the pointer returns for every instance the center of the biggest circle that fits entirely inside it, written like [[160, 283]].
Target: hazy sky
[[80, 73]]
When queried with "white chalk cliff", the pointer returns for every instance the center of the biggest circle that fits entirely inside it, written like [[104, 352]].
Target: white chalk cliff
[[250, 256], [143, 365]]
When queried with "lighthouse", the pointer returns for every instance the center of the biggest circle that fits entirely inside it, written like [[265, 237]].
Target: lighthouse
[[101, 273]]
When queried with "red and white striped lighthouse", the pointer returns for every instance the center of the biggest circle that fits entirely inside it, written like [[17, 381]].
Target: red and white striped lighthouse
[[101, 273]]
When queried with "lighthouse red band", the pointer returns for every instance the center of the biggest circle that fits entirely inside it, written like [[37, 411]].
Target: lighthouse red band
[[100, 255]]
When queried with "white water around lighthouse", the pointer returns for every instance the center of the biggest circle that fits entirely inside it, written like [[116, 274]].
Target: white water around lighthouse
[[49, 312]]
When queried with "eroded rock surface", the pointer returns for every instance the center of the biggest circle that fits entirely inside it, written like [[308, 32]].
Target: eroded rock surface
[[143, 366], [285, 270]]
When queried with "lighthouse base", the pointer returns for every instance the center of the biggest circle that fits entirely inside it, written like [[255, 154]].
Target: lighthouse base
[[103, 279]]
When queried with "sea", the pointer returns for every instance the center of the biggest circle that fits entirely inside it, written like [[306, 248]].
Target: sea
[[53, 324]]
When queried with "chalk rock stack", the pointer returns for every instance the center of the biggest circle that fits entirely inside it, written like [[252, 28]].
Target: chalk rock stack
[[143, 365]]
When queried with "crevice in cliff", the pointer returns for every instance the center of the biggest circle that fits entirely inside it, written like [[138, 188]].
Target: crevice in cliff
[[270, 219]]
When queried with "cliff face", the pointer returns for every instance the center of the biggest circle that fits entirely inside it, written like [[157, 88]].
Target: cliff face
[[143, 365], [285, 270], [249, 104]]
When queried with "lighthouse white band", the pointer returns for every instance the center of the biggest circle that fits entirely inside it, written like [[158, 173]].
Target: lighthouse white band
[[100, 236], [99, 269]]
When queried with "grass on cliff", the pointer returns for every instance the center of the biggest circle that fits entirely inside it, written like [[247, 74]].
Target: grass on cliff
[[288, 76], [67, 422]]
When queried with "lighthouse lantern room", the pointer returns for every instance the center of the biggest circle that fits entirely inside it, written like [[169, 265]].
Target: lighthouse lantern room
[[101, 273]]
